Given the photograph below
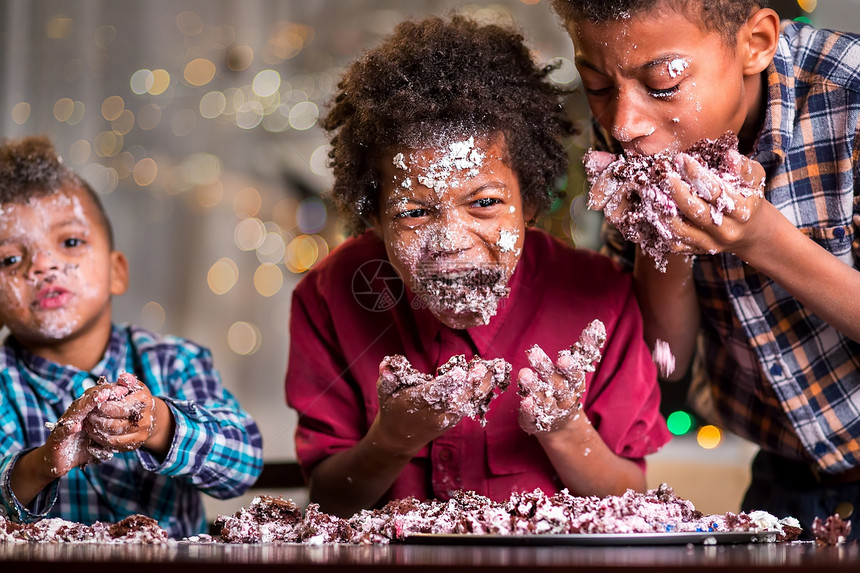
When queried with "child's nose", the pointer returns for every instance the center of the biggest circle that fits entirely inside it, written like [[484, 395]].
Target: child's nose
[[42, 262], [629, 121]]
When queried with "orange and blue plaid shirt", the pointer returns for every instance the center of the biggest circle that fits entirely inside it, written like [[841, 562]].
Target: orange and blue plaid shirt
[[768, 369]]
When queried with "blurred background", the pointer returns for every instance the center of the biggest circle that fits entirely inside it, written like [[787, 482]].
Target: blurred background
[[196, 121]]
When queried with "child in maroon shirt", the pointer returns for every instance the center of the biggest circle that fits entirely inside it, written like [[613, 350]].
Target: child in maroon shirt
[[447, 142]]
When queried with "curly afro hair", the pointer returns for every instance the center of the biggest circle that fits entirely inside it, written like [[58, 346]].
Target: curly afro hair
[[723, 16], [30, 169], [435, 75]]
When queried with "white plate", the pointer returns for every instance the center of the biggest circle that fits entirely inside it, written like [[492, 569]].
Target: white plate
[[696, 538]]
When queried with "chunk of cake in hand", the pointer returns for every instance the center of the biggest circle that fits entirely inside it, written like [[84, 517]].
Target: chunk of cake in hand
[[552, 392], [460, 388], [635, 191]]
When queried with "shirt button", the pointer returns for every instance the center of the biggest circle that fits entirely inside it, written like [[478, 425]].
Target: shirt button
[[838, 232], [776, 370], [845, 509], [738, 289], [445, 455]]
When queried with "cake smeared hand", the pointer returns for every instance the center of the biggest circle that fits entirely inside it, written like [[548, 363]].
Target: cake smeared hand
[[693, 202], [70, 444], [126, 422], [419, 407], [551, 393]]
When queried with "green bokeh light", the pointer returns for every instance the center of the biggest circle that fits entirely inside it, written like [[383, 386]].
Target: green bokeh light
[[679, 422]]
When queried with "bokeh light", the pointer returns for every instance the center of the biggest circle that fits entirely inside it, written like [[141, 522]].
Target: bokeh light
[[244, 338], [142, 81], [212, 104], [152, 316], [302, 253], [679, 422], [222, 276], [149, 116], [160, 82], [249, 234], [268, 279], [247, 203], [239, 58], [112, 107], [709, 437], [21, 112], [79, 151], [145, 171], [266, 83], [199, 72], [311, 215], [273, 248], [807, 5]]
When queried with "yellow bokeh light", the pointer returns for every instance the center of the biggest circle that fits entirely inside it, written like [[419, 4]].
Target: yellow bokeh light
[[123, 164], [284, 213], [222, 276], [249, 234], [79, 151], [59, 27], [807, 5], [63, 109], [210, 194], [160, 82], [145, 171], [304, 115], [149, 116], [107, 144], [247, 203], [302, 253], [112, 107], [268, 279], [199, 72], [78, 111], [244, 338], [709, 437], [152, 316], [124, 123], [21, 112]]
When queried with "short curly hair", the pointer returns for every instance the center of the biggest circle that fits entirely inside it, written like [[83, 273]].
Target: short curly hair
[[723, 16], [437, 74], [30, 168]]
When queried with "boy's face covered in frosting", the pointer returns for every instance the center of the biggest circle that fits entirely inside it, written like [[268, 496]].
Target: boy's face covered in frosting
[[453, 224], [57, 270]]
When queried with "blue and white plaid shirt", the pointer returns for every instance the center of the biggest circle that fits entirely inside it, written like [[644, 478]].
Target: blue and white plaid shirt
[[216, 449]]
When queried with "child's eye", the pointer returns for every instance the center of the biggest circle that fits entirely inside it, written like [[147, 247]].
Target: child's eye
[[73, 242], [10, 260], [411, 214], [486, 202], [665, 92], [598, 91]]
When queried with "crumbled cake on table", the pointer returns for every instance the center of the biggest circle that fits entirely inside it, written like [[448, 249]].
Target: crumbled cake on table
[[276, 520], [644, 181], [529, 513], [133, 529]]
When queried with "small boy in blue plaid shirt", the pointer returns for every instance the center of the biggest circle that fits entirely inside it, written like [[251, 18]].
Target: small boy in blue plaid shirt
[[98, 421], [761, 306]]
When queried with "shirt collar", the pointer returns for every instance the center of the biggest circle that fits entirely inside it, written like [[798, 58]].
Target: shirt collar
[[778, 123], [54, 382]]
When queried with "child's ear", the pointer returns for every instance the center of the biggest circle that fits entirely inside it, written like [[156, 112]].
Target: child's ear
[[758, 40], [118, 273]]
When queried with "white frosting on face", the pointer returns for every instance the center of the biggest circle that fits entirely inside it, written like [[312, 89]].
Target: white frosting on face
[[507, 240], [676, 66], [459, 159]]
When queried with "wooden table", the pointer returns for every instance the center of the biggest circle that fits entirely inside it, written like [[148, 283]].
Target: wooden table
[[193, 558]]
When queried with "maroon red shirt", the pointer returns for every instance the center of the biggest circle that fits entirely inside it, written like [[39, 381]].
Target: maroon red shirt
[[351, 311]]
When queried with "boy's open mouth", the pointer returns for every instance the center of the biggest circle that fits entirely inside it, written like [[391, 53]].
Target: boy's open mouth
[[51, 297]]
